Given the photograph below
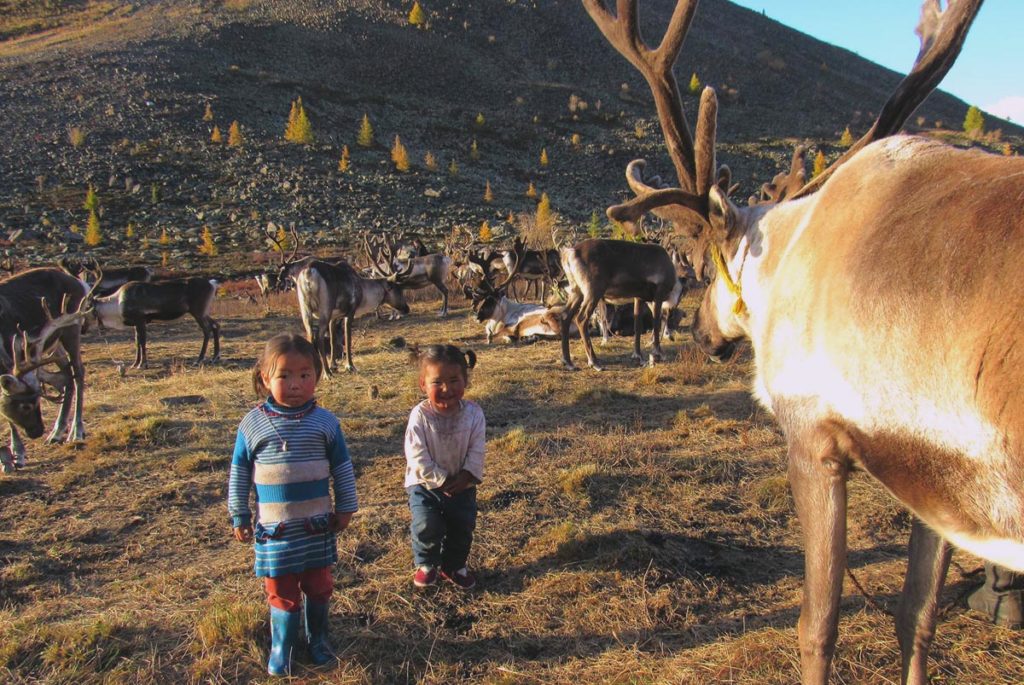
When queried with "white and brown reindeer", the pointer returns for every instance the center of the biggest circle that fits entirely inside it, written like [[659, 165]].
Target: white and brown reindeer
[[136, 304], [332, 295], [385, 255], [30, 338], [882, 302], [111, 278]]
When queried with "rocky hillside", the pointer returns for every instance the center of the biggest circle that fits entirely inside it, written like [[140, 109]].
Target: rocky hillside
[[132, 80]]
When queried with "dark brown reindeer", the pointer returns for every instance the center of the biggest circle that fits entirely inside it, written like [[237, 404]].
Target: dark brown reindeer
[[135, 304], [384, 257], [112, 278], [334, 294], [882, 303], [26, 300]]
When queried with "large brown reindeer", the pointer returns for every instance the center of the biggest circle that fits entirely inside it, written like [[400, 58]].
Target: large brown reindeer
[[882, 302], [385, 255]]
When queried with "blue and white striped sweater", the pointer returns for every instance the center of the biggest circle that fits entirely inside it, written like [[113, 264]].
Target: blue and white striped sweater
[[293, 485]]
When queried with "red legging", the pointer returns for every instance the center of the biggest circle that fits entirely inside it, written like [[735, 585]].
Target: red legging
[[285, 592]]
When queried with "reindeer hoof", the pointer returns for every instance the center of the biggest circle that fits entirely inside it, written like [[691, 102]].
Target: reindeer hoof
[[596, 367], [569, 366]]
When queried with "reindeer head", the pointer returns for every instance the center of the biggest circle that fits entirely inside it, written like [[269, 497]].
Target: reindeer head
[[486, 297], [700, 207], [20, 390], [278, 280]]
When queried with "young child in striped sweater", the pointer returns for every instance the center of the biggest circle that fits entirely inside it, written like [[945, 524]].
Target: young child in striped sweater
[[293, 452]]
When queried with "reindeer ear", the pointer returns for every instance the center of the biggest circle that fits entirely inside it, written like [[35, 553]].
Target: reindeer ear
[[721, 215], [10, 385]]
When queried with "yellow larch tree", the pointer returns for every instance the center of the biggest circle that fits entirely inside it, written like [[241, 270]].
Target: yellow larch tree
[[208, 248], [544, 156], [93, 234], [343, 163], [399, 155], [216, 137], [365, 138], [488, 194], [208, 114], [417, 17], [235, 135]]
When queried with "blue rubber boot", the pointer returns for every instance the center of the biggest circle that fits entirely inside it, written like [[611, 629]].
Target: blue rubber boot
[[284, 633], [320, 652]]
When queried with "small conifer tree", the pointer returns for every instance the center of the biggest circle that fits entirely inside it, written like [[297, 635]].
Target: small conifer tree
[[430, 161], [545, 219], [544, 156], [694, 84], [488, 195], [594, 227], [164, 238], [154, 193], [365, 138], [235, 135], [485, 235], [208, 114], [531, 191], [145, 242], [819, 164], [208, 248], [399, 155], [480, 121], [575, 141], [474, 151], [846, 140], [129, 231], [343, 163], [974, 122], [93, 234], [299, 130], [92, 201], [164, 259], [453, 168], [417, 17], [283, 240], [216, 137], [1007, 149]]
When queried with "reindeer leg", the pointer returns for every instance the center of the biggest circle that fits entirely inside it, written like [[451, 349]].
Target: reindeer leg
[[140, 346], [637, 328], [335, 343], [444, 300], [215, 329], [656, 333], [6, 460], [818, 480], [348, 344], [77, 432], [17, 447], [918, 607], [60, 425], [205, 328], [571, 308]]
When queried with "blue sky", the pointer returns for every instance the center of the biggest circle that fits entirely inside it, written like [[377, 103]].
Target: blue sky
[[989, 72]]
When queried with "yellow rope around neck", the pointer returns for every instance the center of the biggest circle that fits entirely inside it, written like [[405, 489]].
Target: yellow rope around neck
[[740, 307]]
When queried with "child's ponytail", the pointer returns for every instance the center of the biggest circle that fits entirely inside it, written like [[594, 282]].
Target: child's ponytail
[[442, 354]]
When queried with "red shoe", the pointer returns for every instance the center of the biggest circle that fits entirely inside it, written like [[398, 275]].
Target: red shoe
[[425, 576], [463, 578]]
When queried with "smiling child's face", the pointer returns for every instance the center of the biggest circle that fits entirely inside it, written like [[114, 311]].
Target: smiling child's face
[[444, 385], [292, 381]]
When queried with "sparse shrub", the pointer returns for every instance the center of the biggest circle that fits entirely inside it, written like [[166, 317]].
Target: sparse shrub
[[129, 231], [1007, 149], [299, 130], [545, 217], [430, 161], [771, 494], [164, 238], [417, 17], [474, 151], [216, 137], [485, 234], [365, 138], [846, 140], [228, 623], [531, 191], [574, 481], [639, 130], [488, 194], [92, 201], [154, 193], [343, 163], [974, 122], [76, 136], [93, 234], [208, 248], [594, 226], [235, 135], [284, 241], [819, 164], [453, 168], [544, 157], [208, 114], [694, 84], [479, 121], [575, 140], [145, 242], [399, 155]]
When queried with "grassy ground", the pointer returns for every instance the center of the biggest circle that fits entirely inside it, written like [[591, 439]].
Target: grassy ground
[[635, 527]]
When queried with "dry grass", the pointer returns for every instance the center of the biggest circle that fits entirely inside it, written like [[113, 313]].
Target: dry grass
[[635, 527]]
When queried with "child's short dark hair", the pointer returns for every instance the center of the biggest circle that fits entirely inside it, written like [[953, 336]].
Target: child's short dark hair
[[282, 343], [442, 354]]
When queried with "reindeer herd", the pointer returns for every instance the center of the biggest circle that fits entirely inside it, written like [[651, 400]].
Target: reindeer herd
[[880, 301]]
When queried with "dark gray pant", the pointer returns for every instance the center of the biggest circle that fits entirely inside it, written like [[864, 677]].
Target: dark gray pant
[[442, 527]]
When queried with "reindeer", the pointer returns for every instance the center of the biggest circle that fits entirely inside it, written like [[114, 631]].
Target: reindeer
[[135, 304], [111, 279], [422, 270], [331, 294], [26, 300], [881, 301], [537, 267]]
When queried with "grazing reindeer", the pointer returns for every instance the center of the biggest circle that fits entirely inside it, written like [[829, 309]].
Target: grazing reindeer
[[846, 289], [332, 294], [134, 305], [26, 301], [421, 271], [614, 269], [535, 267], [111, 279]]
